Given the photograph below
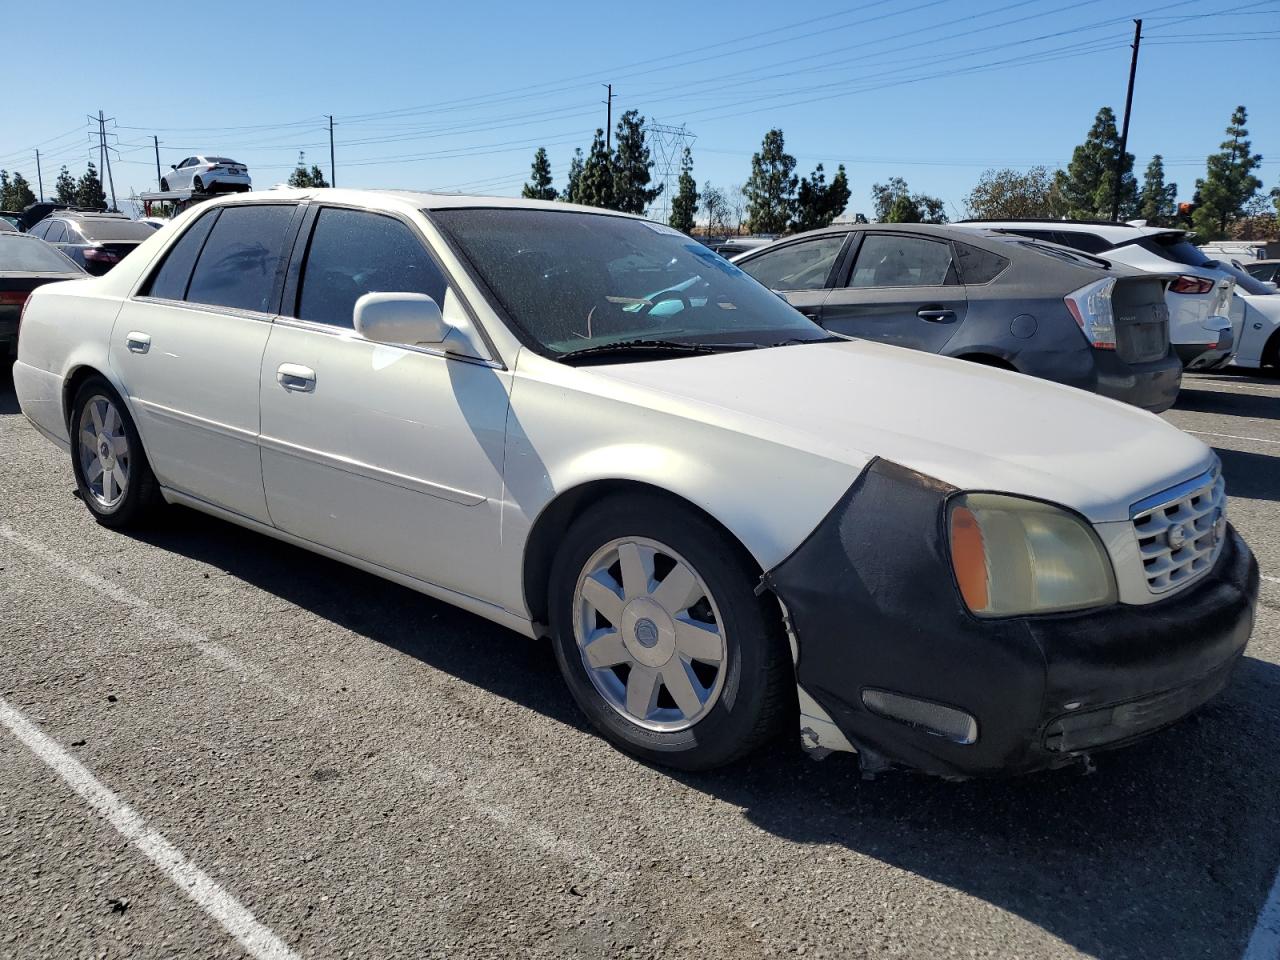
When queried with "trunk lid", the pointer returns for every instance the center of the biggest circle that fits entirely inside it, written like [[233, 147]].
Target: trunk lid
[[1142, 319]]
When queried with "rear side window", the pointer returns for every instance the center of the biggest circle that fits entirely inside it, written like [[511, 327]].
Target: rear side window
[[170, 281], [56, 232], [1172, 247], [1087, 242], [238, 265], [894, 260], [353, 252], [978, 265], [797, 266]]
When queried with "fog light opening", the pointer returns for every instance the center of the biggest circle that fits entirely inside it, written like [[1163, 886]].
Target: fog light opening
[[934, 718]]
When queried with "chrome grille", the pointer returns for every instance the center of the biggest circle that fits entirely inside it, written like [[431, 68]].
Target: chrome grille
[[1181, 531]]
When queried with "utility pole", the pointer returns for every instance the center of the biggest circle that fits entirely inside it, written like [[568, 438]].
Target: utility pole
[[39, 175], [608, 123], [156, 141], [333, 174], [1124, 133], [102, 123]]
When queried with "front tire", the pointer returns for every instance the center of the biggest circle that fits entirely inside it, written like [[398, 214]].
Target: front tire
[[661, 638], [164, 185], [112, 475], [198, 185]]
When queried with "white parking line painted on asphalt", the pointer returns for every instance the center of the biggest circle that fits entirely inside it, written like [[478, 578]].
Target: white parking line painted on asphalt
[[519, 825], [1265, 942], [234, 917], [1230, 436], [1263, 388], [159, 619]]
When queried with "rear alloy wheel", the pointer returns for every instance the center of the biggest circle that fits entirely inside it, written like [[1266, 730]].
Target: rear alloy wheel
[[661, 638], [112, 474]]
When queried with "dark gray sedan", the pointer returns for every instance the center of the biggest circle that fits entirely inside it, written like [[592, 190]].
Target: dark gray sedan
[[1025, 305], [25, 263], [95, 241]]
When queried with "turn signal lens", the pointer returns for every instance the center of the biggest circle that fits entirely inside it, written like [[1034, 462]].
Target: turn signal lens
[[969, 559], [1013, 556]]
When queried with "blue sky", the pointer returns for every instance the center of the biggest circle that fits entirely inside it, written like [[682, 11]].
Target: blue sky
[[458, 96]]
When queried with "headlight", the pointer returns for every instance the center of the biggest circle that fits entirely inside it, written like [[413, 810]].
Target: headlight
[[1013, 556]]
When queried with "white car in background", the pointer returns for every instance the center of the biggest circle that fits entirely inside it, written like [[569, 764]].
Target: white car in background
[[1255, 311], [582, 424], [1200, 326], [206, 174]]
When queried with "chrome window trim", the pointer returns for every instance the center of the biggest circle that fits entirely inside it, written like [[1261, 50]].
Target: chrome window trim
[[348, 333]]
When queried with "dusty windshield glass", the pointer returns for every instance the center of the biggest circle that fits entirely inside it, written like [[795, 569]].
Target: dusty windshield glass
[[573, 280]]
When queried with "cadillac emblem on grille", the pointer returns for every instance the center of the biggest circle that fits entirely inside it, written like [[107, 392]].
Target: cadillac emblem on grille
[[1177, 536]]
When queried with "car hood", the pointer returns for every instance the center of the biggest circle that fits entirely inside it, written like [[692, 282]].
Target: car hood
[[971, 426]]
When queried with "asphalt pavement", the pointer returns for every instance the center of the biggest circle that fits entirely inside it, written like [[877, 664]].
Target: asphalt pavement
[[214, 739]]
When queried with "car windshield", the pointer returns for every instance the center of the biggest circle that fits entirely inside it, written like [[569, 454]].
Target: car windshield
[[22, 254], [572, 281], [1244, 280], [219, 160]]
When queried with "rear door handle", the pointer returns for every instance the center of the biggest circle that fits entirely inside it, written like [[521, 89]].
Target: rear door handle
[[137, 342], [294, 376], [935, 315]]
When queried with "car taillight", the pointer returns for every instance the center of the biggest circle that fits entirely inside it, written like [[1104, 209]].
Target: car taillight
[[1187, 284], [1091, 308], [101, 256], [14, 298]]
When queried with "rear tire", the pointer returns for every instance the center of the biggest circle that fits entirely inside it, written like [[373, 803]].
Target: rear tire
[[692, 676], [112, 474], [197, 185], [164, 185]]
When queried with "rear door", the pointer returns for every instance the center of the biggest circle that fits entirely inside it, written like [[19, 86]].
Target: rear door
[[901, 289], [188, 349], [802, 271]]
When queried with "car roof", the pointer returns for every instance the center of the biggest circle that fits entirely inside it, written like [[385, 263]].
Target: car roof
[[418, 199]]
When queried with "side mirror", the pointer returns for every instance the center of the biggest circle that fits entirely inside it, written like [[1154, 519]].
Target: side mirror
[[400, 318], [173, 166]]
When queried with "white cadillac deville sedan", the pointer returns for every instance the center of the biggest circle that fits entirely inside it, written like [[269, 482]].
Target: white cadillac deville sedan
[[585, 425]]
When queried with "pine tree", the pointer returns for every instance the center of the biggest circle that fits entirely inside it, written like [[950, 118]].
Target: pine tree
[[539, 186], [1229, 183], [1088, 185], [771, 189], [6, 188], [89, 190], [20, 194], [684, 205], [817, 202], [632, 166], [573, 183], [66, 187], [304, 178], [595, 186], [317, 177], [1158, 202]]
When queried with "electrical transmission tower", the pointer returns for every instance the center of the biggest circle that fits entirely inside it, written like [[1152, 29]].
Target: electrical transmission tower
[[666, 146]]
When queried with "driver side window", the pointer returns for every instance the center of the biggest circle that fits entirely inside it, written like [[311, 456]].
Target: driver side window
[[354, 252]]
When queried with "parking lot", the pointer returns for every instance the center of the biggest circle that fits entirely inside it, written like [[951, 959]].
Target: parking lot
[[367, 772]]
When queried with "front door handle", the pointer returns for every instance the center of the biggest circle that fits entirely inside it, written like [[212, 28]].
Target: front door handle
[[936, 314], [137, 342], [294, 376]]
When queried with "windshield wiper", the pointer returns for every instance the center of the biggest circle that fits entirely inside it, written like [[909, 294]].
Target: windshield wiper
[[642, 346]]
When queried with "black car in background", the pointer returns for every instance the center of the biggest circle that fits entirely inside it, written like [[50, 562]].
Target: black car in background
[[25, 263], [1005, 301], [96, 241]]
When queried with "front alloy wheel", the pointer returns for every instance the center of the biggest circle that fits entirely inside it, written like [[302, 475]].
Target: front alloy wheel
[[661, 637], [649, 634]]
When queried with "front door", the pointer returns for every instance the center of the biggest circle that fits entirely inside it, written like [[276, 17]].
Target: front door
[[188, 350], [392, 454], [902, 289]]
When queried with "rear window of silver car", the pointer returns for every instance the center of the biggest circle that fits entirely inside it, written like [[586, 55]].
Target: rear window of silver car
[[111, 230]]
